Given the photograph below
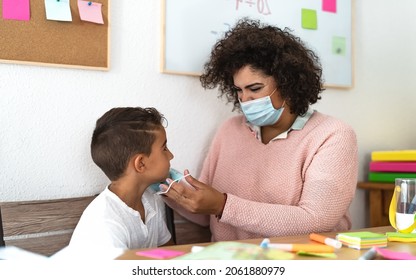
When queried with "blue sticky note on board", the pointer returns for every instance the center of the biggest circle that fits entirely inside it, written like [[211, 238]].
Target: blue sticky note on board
[[58, 10]]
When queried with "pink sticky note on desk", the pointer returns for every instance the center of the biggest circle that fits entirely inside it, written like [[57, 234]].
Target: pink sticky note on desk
[[160, 253], [392, 255]]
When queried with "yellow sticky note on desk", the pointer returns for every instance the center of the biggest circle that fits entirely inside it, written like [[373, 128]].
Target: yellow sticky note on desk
[[321, 255], [401, 237]]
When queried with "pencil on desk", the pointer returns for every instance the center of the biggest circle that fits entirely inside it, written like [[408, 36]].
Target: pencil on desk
[[369, 255]]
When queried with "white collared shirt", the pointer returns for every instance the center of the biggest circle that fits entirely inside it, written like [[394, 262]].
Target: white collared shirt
[[108, 224], [298, 124]]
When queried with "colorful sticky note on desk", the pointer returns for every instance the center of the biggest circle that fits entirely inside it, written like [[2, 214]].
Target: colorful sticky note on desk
[[160, 253], [320, 255], [362, 239], [393, 255], [230, 250], [401, 237]]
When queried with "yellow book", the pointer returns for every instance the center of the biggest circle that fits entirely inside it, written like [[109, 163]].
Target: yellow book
[[397, 155]]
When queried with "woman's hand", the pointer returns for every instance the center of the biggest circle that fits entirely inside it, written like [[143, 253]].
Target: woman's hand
[[198, 198]]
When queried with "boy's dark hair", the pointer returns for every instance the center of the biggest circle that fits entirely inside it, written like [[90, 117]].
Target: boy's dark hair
[[276, 52], [121, 133]]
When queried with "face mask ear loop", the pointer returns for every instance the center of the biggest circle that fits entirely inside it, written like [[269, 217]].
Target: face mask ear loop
[[171, 183], [273, 92], [284, 101]]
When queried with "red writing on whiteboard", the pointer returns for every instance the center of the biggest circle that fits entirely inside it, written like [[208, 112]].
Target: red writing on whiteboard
[[262, 6]]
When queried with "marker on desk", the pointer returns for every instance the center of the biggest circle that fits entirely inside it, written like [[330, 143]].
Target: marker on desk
[[404, 205], [412, 206], [369, 255], [325, 240], [196, 249], [316, 248]]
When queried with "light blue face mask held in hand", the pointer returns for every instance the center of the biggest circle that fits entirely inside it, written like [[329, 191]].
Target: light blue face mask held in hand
[[175, 175], [261, 112]]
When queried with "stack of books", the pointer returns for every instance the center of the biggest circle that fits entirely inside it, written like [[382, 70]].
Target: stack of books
[[386, 166], [362, 239]]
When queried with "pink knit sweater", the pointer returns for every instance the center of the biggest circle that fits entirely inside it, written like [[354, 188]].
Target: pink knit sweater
[[292, 186]]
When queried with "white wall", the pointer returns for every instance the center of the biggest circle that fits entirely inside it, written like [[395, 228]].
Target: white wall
[[47, 114]]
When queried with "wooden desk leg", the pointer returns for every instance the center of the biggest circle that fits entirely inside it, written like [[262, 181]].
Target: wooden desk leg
[[376, 200]]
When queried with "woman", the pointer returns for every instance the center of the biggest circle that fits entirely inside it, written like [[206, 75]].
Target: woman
[[280, 168]]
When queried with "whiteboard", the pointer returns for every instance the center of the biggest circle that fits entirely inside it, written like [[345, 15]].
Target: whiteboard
[[190, 28]]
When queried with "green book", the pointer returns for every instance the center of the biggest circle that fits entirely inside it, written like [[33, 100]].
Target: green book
[[388, 177]]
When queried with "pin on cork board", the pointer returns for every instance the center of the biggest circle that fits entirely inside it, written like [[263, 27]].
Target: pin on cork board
[[70, 44]]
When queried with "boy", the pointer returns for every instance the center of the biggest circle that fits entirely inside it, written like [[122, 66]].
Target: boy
[[129, 145]]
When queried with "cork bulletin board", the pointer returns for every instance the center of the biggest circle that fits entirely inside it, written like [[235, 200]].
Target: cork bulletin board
[[39, 41]]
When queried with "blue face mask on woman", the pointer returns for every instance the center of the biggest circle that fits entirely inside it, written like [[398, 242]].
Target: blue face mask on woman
[[261, 112]]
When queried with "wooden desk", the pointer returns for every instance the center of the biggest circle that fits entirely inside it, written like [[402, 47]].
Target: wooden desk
[[342, 254], [379, 197]]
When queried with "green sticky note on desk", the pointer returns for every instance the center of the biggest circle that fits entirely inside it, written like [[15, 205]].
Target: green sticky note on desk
[[321, 255], [362, 239], [401, 237], [401, 234], [362, 235], [230, 250]]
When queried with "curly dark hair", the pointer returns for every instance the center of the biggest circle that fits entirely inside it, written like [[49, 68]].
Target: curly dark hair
[[276, 52]]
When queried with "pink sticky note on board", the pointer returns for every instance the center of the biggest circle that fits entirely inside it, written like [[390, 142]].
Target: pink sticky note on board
[[16, 9], [90, 11], [329, 6], [160, 253]]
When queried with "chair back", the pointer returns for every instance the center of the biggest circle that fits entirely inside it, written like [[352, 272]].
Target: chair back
[[40, 226]]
